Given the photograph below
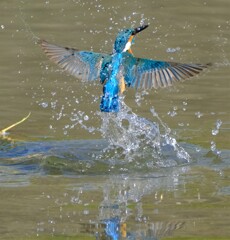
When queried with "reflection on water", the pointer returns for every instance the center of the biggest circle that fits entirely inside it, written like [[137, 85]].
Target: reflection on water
[[108, 198], [122, 209], [115, 229], [115, 211]]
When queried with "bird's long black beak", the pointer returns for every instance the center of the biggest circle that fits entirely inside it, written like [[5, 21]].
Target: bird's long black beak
[[139, 29]]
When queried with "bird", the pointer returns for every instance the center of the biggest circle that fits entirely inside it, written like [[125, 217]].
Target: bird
[[120, 69]]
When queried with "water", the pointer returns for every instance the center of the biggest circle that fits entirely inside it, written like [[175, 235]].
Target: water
[[157, 169]]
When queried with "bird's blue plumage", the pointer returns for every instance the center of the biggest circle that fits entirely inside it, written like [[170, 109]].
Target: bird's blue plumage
[[121, 40], [134, 68], [110, 98], [106, 68], [120, 69], [112, 228]]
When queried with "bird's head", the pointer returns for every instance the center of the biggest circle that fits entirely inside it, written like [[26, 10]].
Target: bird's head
[[125, 38]]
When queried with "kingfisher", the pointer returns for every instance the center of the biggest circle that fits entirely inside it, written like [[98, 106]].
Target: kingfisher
[[120, 69]]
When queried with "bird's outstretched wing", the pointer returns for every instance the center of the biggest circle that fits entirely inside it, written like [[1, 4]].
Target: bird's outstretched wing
[[81, 64], [146, 73]]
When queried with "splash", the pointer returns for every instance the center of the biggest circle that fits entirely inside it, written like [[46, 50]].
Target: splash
[[132, 137], [129, 131]]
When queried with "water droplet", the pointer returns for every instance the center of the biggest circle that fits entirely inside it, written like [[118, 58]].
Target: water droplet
[[44, 104], [172, 50], [215, 131], [138, 98], [86, 118], [172, 113], [218, 123], [197, 149], [199, 114], [53, 105], [86, 212], [213, 146]]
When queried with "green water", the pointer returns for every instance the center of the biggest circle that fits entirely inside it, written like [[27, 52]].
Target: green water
[[56, 179]]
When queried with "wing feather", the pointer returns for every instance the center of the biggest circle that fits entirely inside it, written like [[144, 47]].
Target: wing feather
[[81, 64], [146, 73], [154, 79]]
